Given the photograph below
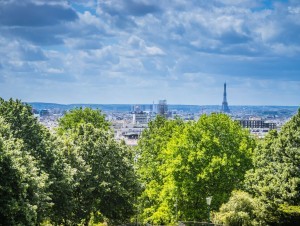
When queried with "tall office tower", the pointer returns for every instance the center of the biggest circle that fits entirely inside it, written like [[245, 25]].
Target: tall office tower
[[152, 107], [225, 107], [162, 108]]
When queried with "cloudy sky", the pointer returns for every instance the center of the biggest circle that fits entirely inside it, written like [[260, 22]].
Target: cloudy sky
[[139, 51]]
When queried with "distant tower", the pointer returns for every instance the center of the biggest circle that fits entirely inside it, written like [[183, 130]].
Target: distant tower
[[153, 107], [162, 108], [225, 107]]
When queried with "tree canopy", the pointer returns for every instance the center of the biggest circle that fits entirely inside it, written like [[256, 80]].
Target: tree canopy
[[22, 186], [37, 144], [80, 174], [64, 178], [104, 179], [78, 116], [186, 162], [241, 210], [272, 184], [275, 178]]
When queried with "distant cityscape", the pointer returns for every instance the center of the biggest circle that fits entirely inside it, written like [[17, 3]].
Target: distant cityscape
[[128, 121]]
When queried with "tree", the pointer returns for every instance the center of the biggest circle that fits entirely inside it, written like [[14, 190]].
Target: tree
[[289, 215], [150, 157], [65, 178], [275, 178], [24, 126], [79, 116], [104, 179], [22, 186], [42, 148], [196, 160], [241, 210], [61, 183], [36, 138]]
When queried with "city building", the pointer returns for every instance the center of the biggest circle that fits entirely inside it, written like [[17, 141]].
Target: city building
[[44, 112], [225, 107], [162, 108], [153, 108], [140, 118], [257, 123], [258, 127]]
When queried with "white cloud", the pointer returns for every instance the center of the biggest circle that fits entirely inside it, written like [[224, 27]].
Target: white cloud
[[142, 48], [268, 31], [141, 45], [154, 51], [294, 10], [54, 71], [286, 50]]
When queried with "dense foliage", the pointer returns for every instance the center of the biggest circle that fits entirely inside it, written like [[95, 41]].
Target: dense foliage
[[180, 164], [22, 187], [275, 178], [36, 144], [81, 172], [80, 175], [79, 116], [150, 158], [273, 184], [241, 210], [104, 179]]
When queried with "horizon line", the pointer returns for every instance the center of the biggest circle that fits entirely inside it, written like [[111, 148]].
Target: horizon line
[[234, 105]]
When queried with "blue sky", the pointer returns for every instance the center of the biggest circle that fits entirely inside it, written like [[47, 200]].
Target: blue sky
[[139, 51]]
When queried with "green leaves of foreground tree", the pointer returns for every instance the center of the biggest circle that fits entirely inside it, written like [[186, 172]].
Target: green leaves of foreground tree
[[22, 186], [241, 210], [275, 179], [150, 157], [62, 180], [38, 149], [24, 126], [192, 161], [104, 180]]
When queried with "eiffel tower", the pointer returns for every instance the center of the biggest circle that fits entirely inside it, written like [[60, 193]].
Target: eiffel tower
[[225, 107]]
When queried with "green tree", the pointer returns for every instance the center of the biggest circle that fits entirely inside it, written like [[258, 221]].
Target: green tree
[[205, 158], [24, 125], [78, 116], [150, 157], [241, 210], [61, 183], [289, 215], [42, 148], [275, 178], [104, 179], [22, 186]]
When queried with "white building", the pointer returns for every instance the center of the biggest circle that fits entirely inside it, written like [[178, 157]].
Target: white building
[[140, 118]]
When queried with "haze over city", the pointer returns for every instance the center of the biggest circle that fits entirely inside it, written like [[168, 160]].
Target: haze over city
[[116, 52]]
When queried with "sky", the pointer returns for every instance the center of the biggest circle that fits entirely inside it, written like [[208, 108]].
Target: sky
[[140, 51]]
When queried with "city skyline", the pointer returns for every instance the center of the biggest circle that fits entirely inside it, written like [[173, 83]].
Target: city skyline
[[127, 52]]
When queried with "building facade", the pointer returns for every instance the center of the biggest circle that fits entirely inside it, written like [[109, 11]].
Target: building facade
[[140, 118], [257, 124], [162, 108]]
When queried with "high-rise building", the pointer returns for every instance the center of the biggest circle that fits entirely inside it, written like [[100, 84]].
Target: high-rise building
[[162, 108], [225, 107], [152, 107]]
